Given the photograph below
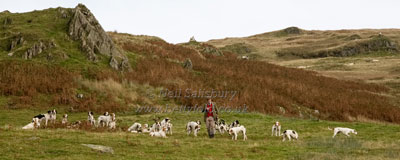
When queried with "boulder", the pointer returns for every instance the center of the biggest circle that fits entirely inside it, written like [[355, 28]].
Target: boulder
[[103, 149]]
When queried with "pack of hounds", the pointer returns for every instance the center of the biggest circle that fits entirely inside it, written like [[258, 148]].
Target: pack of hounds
[[164, 127]]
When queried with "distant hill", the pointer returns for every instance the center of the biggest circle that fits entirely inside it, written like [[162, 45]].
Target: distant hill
[[294, 42], [48, 57]]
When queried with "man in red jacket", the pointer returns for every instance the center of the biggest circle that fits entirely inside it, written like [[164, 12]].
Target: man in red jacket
[[210, 117]]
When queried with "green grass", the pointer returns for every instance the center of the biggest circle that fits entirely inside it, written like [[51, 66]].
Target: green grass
[[374, 141]]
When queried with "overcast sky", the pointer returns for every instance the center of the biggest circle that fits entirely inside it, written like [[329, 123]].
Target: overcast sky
[[177, 20]]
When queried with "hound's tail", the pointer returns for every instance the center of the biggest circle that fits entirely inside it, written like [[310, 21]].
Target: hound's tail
[[329, 128]]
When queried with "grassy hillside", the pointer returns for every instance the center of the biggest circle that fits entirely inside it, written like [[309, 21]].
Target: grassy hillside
[[374, 141]]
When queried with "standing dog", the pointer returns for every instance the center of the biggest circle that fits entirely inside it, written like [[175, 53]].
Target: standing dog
[[65, 119], [235, 123], [104, 120], [276, 128], [289, 134], [166, 122], [155, 127], [53, 116], [44, 117], [113, 123], [193, 127], [169, 128], [345, 131], [221, 126], [91, 119], [236, 130]]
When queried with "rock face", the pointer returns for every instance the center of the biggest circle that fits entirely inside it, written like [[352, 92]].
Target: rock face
[[37, 48], [94, 40]]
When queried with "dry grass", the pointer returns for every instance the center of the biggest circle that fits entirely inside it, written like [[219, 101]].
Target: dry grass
[[25, 81], [263, 87]]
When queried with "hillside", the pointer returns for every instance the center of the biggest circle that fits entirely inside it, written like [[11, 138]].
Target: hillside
[[50, 56], [364, 55], [293, 42]]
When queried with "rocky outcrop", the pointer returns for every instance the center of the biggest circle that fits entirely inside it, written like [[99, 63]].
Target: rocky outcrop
[[16, 41], [37, 48], [203, 48], [208, 49], [192, 39], [292, 30], [94, 40], [373, 44], [188, 64]]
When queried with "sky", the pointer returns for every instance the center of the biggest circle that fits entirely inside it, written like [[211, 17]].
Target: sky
[[177, 20]]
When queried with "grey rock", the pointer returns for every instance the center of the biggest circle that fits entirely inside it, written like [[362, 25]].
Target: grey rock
[[37, 48], [17, 40], [103, 149], [114, 63], [94, 40], [212, 50], [292, 30], [192, 39], [188, 64]]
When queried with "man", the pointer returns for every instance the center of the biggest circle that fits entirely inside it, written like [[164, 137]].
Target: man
[[210, 116]]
